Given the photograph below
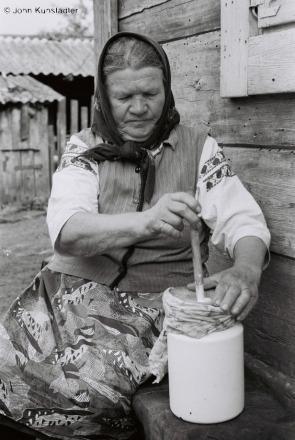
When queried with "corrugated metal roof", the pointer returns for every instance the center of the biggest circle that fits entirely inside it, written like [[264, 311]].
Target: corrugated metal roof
[[24, 88], [25, 55]]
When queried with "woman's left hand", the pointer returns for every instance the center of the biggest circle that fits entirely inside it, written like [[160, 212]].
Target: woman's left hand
[[236, 289]]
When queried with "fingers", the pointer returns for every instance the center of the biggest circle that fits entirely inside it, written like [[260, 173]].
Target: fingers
[[232, 293], [187, 199], [168, 229], [210, 282], [236, 291], [235, 300], [248, 308], [191, 286], [241, 302], [173, 209], [184, 206], [184, 212]]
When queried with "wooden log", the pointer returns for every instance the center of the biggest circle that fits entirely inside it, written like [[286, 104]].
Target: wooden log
[[276, 295], [269, 329], [165, 21], [84, 117], [74, 116], [259, 120], [105, 23], [268, 174], [194, 80], [281, 385], [270, 340], [130, 7], [271, 63], [61, 124]]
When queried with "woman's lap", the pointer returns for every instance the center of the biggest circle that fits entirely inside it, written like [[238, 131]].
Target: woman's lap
[[72, 354]]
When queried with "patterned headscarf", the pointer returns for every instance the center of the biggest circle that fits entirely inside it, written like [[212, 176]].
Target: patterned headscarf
[[104, 124]]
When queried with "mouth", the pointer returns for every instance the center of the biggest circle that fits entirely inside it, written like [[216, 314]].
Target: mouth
[[138, 121]]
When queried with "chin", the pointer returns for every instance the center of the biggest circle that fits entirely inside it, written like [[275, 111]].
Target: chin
[[137, 135], [130, 137]]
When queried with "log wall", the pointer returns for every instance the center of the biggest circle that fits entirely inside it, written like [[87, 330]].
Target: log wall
[[258, 136]]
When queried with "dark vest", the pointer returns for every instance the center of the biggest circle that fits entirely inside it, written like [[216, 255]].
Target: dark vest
[[159, 262]]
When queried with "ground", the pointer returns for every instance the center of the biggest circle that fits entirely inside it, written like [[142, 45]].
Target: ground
[[24, 243]]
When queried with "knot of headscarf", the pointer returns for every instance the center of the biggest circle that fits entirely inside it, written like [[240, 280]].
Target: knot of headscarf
[[128, 151], [104, 125]]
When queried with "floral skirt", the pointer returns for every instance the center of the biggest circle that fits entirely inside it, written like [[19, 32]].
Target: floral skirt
[[72, 354]]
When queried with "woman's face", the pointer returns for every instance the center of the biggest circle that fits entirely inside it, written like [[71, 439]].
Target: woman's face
[[136, 99]]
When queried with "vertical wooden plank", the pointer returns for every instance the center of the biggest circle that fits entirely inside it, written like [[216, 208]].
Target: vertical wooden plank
[[91, 108], [11, 176], [51, 151], [42, 160], [34, 129], [236, 23], [74, 116], [84, 117], [24, 122], [61, 124], [41, 176], [105, 23], [15, 127], [28, 187], [6, 141], [1, 180]]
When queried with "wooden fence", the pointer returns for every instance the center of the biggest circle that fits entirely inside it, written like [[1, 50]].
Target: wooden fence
[[80, 115]]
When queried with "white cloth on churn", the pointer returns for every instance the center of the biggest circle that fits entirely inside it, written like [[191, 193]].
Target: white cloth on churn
[[189, 318]]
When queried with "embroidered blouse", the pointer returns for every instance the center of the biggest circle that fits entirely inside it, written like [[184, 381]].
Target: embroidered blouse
[[228, 209]]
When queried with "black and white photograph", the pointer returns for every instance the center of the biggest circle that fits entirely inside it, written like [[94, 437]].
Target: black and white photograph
[[147, 219]]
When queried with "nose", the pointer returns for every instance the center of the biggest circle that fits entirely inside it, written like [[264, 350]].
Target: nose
[[138, 105]]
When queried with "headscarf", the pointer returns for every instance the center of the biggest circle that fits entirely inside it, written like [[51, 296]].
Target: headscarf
[[104, 124]]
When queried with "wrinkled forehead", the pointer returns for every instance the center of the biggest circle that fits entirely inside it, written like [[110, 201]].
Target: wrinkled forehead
[[135, 79], [136, 76]]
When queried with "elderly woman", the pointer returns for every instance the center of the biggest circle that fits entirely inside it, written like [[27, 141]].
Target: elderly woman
[[75, 345]]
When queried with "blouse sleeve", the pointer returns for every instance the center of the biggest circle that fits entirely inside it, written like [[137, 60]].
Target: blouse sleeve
[[228, 208], [75, 187]]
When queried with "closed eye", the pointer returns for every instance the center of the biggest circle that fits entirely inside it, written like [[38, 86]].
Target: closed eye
[[123, 98], [148, 95]]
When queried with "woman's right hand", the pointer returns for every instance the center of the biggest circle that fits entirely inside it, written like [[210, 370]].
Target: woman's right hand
[[167, 215], [86, 234]]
